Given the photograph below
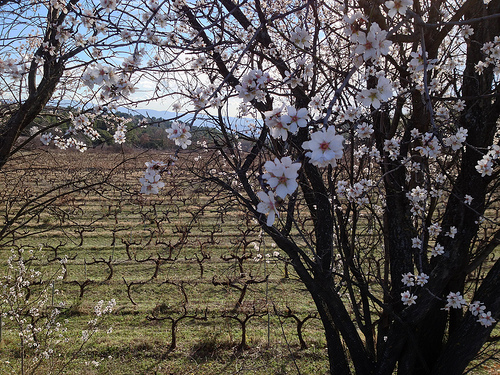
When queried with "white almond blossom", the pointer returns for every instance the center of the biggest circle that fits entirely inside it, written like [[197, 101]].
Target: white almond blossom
[[421, 279], [437, 250], [326, 147], [364, 130], [119, 137], [457, 140], [408, 299], [295, 119], [476, 308], [417, 62], [430, 146], [277, 128], [374, 97], [434, 230], [179, 133], [282, 175], [486, 320], [267, 206], [416, 243], [46, 138], [253, 86], [398, 7], [451, 233], [374, 44], [300, 37], [392, 147], [485, 166], [454, 300], [408, 279], [150, 183]]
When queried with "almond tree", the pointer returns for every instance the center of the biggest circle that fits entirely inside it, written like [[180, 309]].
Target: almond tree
[[51, 57], [368, 151], [386, 114]]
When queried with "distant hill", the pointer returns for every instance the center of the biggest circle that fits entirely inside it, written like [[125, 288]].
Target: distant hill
[[166, 115], [154, 136], [148, 113]]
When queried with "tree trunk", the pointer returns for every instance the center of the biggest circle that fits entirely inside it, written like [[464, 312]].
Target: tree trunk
[[28, 111]]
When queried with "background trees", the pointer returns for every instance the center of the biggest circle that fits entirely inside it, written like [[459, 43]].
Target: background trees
[[384, 113]]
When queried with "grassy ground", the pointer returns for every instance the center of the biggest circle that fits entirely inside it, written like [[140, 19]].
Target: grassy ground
[[187, 258], [106, 226]]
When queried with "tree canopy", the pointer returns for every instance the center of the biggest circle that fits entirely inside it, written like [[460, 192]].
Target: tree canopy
[[371, 133]]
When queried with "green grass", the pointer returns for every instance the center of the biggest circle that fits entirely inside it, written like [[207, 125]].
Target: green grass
[[112, 225], [207, 339]]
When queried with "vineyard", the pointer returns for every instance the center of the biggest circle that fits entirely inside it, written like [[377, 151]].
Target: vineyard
[[198, 288]]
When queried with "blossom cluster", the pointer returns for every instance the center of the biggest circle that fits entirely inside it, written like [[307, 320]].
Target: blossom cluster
[[357, 193], [373, 44], [120, 134], [434, 230], [12, 68], [492, 52], [418, 198], [456, 301], [102, 309], [253, 86], [486, 164], [477, 308], [430, 146], [456, 140], [267, 257], [82, 123], [325, 147], [300, 37], [420, 62], [410, 280], [179, 133], [374, 97], [392, 147], [98, 75], [453, 300], [151, 181], [364, 130], [29, 310], [280, 124], [281, 175], [62, 143], [201, 97], [113, 85]]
